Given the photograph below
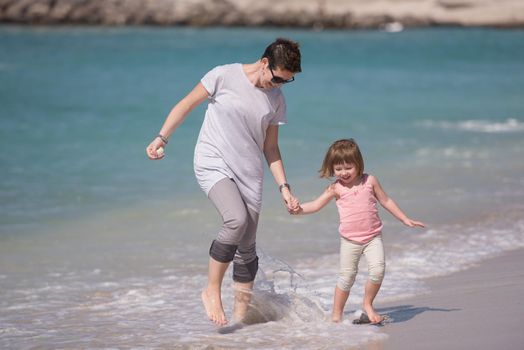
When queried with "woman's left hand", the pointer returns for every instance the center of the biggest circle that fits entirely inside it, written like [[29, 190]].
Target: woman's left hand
[[292, 203]]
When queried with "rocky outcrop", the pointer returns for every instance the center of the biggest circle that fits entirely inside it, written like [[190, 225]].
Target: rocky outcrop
[[292, 13]]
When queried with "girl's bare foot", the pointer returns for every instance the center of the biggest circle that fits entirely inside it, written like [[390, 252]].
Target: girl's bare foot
[[339, 301], [213, 305], [373, 316], [336, 317]]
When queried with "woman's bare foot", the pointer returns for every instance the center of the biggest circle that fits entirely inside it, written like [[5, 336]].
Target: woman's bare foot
[[213, 305], [373, 316], [243, 293]]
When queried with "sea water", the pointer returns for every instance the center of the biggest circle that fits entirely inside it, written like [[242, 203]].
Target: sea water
[[102, 248]]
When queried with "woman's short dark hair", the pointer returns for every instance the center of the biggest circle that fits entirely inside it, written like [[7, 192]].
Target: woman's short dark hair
[[284, 54]]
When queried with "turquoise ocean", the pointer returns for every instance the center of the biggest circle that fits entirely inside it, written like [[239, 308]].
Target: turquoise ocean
[[102, 248]]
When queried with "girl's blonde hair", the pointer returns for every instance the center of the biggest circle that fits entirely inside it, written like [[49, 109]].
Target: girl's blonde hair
[[342, 151]]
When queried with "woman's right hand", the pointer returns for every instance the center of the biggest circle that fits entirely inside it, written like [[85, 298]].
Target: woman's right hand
[[152, 149]]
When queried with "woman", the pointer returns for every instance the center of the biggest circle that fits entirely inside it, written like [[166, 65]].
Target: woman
[[245, 108]]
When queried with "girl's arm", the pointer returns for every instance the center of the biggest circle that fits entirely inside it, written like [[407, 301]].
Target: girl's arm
[[274, 160], [390, 205], [318, 203], [177, 115]]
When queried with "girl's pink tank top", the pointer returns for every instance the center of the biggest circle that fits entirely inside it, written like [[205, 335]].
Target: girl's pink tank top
[[357, 208]]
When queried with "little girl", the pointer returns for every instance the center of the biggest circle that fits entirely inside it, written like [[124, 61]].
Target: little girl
[[356, 196]]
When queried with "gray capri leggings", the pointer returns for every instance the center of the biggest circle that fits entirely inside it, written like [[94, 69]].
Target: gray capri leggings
[[236, 238]]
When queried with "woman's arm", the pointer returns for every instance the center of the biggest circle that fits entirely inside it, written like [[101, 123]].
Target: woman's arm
[[276, 166], [390, 205], [177, 115], [318, 203]]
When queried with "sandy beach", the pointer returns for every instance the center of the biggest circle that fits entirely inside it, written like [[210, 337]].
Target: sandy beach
[[318, 14], [479, 308]]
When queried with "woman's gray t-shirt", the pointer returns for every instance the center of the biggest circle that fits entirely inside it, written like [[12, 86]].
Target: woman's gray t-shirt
[[231, 140]]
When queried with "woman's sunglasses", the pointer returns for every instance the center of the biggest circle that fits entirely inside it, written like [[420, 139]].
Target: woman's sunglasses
[[278, 80]]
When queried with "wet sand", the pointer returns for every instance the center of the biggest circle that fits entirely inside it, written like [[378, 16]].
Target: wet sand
[[479, 308]]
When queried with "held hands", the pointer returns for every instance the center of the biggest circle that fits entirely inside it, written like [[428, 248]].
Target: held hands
[[297, 211], [155, 150], [292, 203]]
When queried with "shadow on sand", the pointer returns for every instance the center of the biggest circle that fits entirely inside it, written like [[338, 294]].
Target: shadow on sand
[[405, 313]]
